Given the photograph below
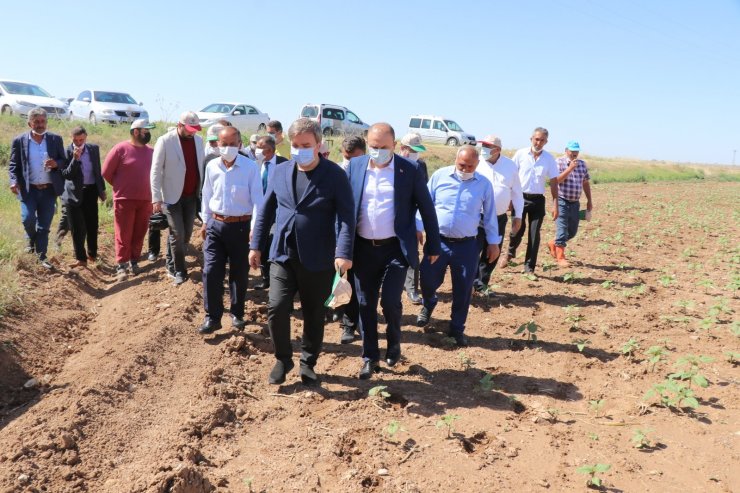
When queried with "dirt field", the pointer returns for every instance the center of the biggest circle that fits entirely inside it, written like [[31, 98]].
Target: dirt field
[[128, 397]]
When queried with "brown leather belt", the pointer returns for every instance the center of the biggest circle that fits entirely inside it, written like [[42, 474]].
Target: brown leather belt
[[232, 219], [381, 242], [42, 186]]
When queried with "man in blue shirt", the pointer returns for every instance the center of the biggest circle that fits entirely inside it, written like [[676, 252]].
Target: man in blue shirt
[[463, 199]]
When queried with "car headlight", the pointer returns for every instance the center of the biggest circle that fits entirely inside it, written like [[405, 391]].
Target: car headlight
[[25, 103], [107, 112]]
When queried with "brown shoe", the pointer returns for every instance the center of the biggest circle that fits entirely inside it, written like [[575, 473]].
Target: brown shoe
[[551, 246], [560, 256], [78, 263]]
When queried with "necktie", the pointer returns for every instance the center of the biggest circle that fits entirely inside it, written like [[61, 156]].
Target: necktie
[[264, 176]]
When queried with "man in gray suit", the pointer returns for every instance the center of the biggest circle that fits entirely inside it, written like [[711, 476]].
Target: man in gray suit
[[176, 179]]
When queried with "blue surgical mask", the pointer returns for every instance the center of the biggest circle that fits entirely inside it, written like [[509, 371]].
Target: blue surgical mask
[[485, 153], [302, 157], [379, 156]]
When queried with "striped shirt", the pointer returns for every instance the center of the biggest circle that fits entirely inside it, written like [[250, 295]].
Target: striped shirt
[[571, 188]]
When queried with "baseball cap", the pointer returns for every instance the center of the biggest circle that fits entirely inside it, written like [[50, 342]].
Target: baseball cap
[[253, 138], [413, 140], [573, 146], [492, 140], [142, 123], [213, 131], [191, 121]]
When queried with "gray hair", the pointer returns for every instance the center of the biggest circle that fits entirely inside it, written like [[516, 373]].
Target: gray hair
[[465, 148], [304, 126], [36, 112], [541, 130], [269, 140]]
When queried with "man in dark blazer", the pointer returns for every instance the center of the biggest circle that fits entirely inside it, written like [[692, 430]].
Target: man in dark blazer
[[83, 187], [388, 190], [306, 198], [35, 171]]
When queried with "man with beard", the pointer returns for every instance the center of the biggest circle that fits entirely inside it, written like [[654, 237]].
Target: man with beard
[[127, 168], [176, 179]]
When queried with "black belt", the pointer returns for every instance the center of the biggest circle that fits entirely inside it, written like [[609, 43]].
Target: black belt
[[532, 195], [384, 241], [456, 240], [40, 186], [90, 186]]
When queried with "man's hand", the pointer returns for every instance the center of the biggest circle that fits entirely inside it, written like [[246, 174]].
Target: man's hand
[[14, 189], [420, 237], [50, 164], [554, 212], [103, 196], [493, 252], [255, 259], [516, 223], [78, 153], [203, 231], [156, 207], [432, 258], [342, 265]]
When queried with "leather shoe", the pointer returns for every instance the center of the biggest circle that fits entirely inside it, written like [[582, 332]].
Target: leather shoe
[[460, 339], [348, 334], [414, 297], [238, 323], [424, 315], [393, 355], [308, 376], [278, 372], [368, 368], [209, 327]]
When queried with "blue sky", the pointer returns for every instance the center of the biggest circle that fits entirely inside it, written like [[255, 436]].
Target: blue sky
[[634, 78]]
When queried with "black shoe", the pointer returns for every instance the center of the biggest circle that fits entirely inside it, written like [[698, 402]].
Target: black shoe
[[46, 264], [368, 368], [278, 372], [121, 271], [238, 323], [528, 270], [135, 268], [460, 339], [152, 257], [393, 355], [308, 376], [179, 279], [209, 327], [414, 297], [336, 316], [424, 315], [170, 274], [348, 334]]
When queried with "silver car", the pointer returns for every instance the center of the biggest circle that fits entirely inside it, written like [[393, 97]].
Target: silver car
[[106, 107], [335, 120]]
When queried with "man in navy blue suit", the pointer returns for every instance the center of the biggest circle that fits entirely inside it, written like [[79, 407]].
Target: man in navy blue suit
[[309, 200], [37, 159], [388, 190]]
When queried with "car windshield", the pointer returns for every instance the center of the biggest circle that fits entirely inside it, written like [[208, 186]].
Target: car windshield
[[113, 97], [310, 112], [453, 126], [218, 108], [24, 89]]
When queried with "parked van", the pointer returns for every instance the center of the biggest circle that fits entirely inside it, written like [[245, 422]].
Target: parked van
[[335, 120], [440, 130]]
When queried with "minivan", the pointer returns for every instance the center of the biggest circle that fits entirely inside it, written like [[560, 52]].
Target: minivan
[[439, 129], [335, 120]]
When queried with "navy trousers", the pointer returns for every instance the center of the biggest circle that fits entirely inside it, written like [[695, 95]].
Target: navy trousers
[[225, 242], [37, 211], [462, 259], [380, 272], [484, 268]]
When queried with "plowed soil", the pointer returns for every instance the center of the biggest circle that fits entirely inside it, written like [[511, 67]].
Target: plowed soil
[[105, 386]]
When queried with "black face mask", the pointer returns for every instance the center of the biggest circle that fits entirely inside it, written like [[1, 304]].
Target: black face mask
[[144, 138]]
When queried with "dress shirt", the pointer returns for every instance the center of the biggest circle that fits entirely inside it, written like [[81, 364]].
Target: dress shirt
[[234, 191], [459, 204], [504, 176], [377, 210], [270, 169], [533, 173], [36, 161], [571, 188], [88, 177]]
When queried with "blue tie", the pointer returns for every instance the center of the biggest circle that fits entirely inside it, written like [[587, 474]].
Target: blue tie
[[264, 176]]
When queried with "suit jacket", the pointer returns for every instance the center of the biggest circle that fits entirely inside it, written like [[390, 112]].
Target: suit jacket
[[168, 167], [410, 194], [73, 175], [327, 200], [18, 167]]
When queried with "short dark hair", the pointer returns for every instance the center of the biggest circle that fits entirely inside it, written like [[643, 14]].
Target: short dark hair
[[268, 140], [276, 125], [351, 144], [78, 130]]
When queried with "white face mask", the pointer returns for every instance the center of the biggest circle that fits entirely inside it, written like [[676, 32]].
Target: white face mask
[[38, 134], [414, 156], [228, 154], [380, 156], [259, 154], [464, 176], [485, 153], [211, 151], [345, 163]]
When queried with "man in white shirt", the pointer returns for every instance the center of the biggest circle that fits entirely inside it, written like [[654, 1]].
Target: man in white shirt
[[535, 167], [507, 191], [231, 191]]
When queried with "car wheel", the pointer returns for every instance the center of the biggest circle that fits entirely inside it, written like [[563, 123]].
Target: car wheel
[[452, 142], [7, 110], [261, 128], [93, 119], [327, 132]]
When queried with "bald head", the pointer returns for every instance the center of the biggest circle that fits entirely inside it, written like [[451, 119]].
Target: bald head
[[467, 152], [467, 159], [229, 137], [383, 128], [381, 136]]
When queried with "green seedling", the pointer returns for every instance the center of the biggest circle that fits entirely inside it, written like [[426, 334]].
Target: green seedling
[[393, 428], [735, 328], [721, 306], [548, 265], [447, 421], [688, 252], [640, 439], [706, 284], [581, 344], [686, 304], [379, 392], [593, 436], [629, 348], [486, 384], [655, 354], [592, 471], [597, 406], [707, 323], [732, 357], [571, 277], [689, 366], [607, 284], [673, 394], [465, 360], [531, 329], [530, 276], [665, 280], [248, 483]]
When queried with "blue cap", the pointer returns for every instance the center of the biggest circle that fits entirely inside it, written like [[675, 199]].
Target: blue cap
[[573, 146]]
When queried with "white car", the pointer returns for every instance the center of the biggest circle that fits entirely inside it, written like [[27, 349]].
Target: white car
[[106, 107], [439, 129], [18, 98], [243, 116]]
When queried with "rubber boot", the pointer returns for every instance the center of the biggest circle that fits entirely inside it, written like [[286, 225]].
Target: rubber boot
[[560, 256], [551, 246]]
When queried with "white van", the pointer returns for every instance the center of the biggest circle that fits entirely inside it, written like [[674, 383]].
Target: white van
[[335, 120], [440, 130]]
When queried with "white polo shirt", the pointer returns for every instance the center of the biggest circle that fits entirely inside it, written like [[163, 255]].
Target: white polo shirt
[[504, 176], [533, 173], [377, 209]]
